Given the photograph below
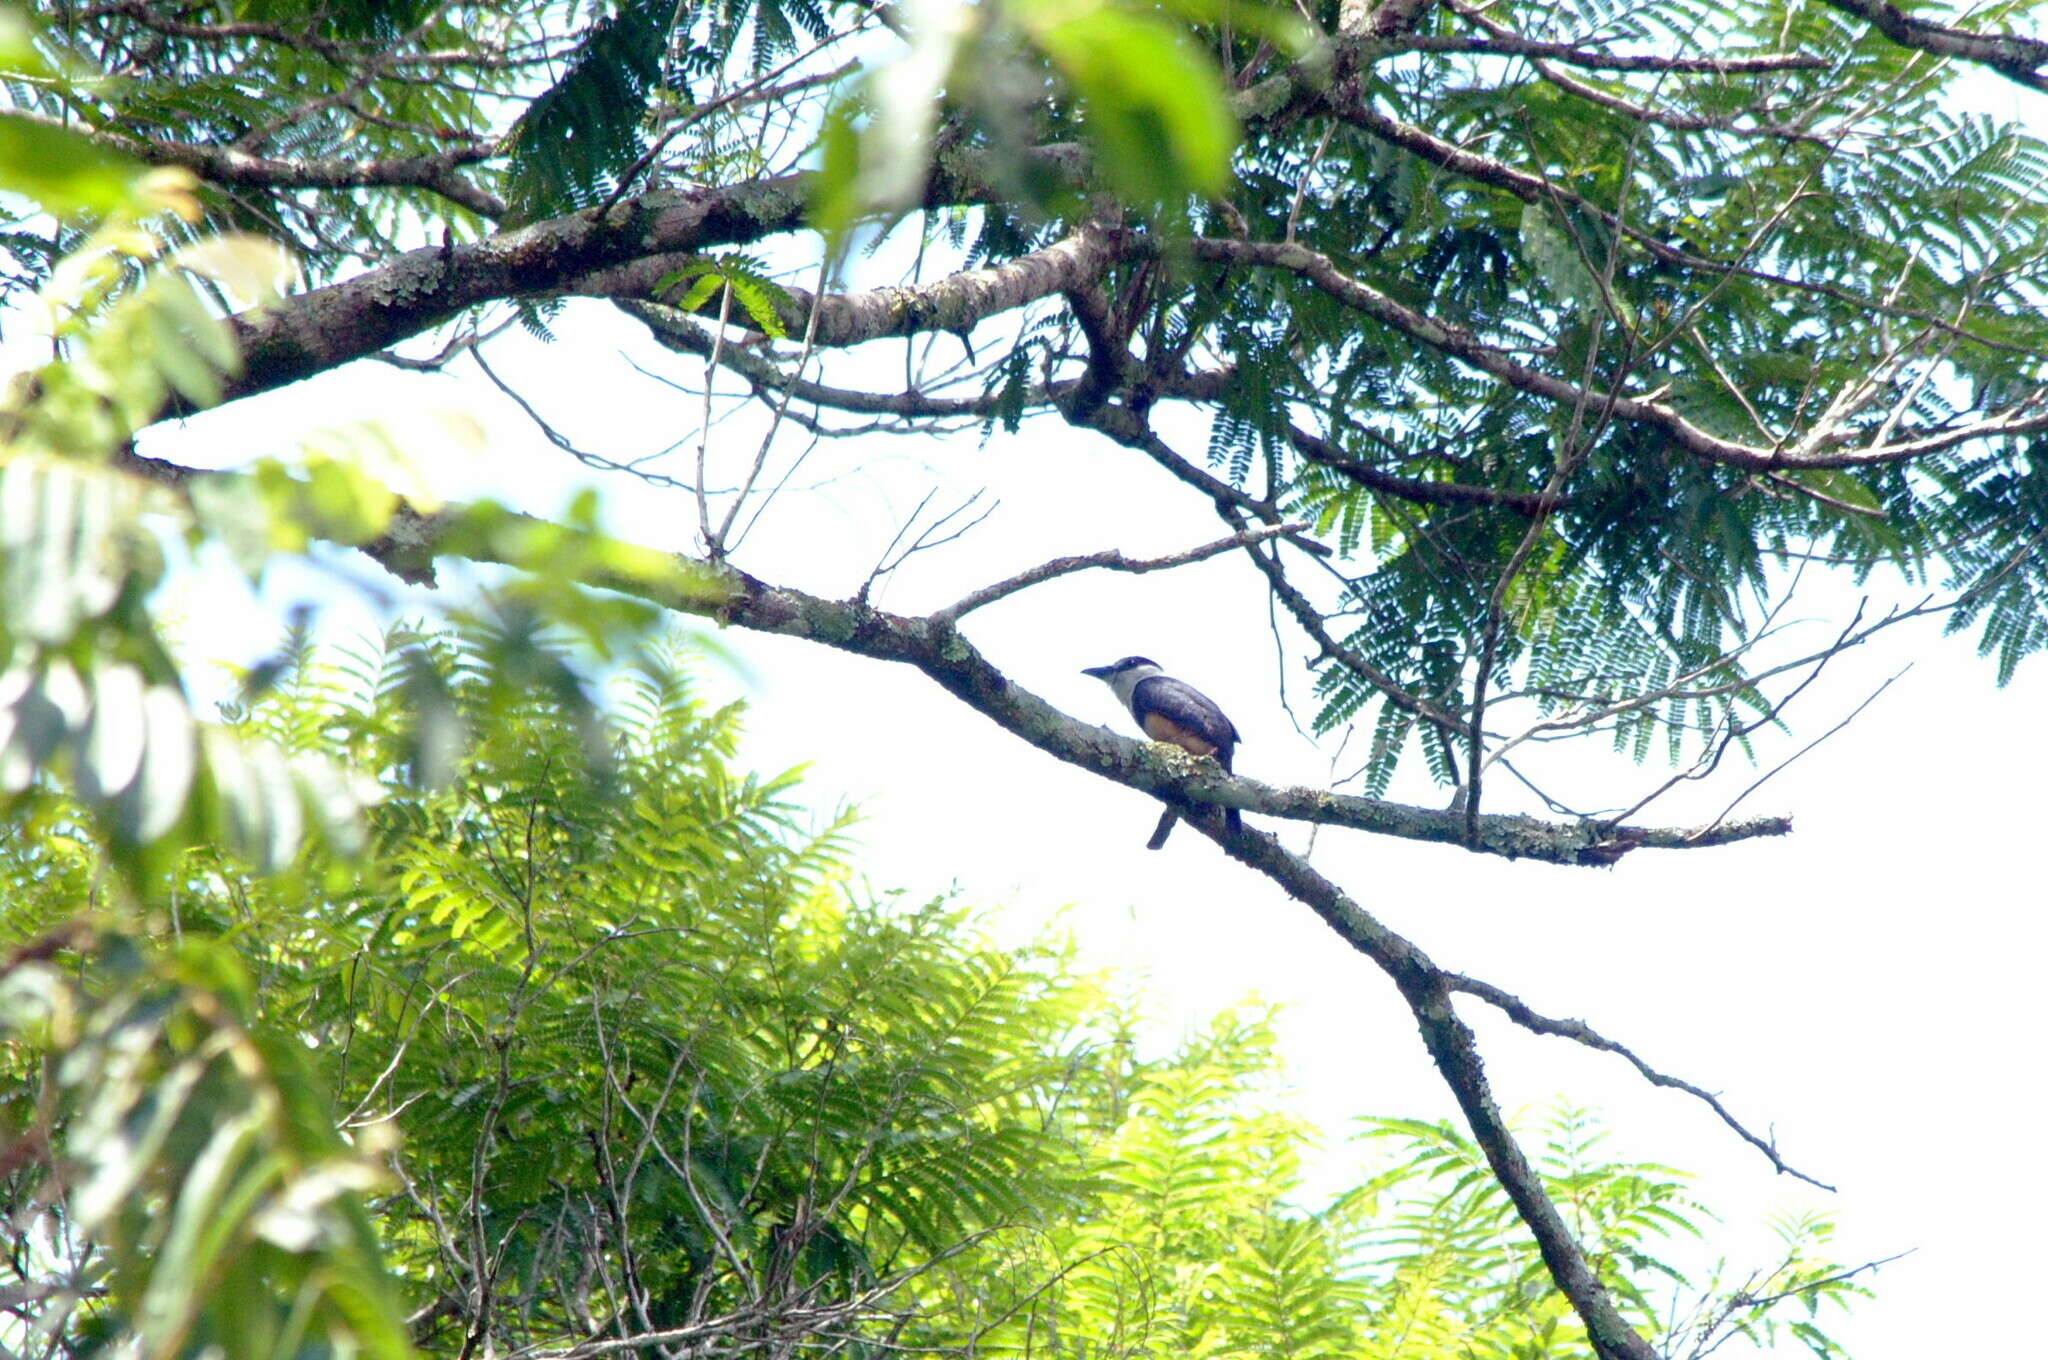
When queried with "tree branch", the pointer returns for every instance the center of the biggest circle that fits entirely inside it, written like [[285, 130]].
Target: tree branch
[[1455, 1050], [1109, 355], [2017, 58], [1347, 101], [1583, 54], [628, 248], [324, 328], [933, 647], [1547, 67], [677, 331], [226, 165], [957, 302], [2027, 415], [1578, 1031]]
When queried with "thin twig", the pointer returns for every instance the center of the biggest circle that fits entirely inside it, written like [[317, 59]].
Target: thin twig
[[1579, 1031], [1775, 770], [1109, 560]]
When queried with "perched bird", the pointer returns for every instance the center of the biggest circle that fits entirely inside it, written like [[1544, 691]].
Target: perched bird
[[1173, 711]]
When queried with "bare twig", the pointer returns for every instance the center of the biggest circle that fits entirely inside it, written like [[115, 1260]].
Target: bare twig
[[927, 537], [1579, 1031], [1775, 770], [775, 422], [1110, 560], [568, 446]]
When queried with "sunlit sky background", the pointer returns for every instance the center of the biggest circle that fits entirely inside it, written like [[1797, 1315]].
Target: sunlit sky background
[[1866, 988]]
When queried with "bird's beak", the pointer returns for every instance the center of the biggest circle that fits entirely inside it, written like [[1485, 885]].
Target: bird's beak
[[1099, 672]]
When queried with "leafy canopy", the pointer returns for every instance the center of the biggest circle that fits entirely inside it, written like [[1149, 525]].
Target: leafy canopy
[[616, 1047], [1574, 330]]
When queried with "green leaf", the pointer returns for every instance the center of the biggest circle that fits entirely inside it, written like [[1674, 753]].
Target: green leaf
[[837, 200], [578, 135], [700, 291], [66, 172], [1156, 109], [1555, 257], [761, 298], [156, 799]]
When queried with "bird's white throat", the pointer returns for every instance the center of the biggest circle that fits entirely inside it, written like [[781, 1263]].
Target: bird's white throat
[[1123, 682]]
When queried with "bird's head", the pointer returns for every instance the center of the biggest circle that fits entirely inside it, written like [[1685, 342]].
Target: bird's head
[[1123, 677], [1115, 670]]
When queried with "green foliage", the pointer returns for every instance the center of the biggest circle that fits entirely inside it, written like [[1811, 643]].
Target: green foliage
[[55, 74], [799, 1085], [1558, 261], [1737, 274], [625, 1010], [64, 171], [1204, 1244], [91, 697], [574, 139], [133, 338], [1139, 88], [657, 1063], [89, 693], [1763, 240], [761, 299], [1156, 111], [179, 1182], [1657, 564], [621, 1048]]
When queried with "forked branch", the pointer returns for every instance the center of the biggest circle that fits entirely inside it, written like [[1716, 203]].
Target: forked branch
[[1578, 1031]]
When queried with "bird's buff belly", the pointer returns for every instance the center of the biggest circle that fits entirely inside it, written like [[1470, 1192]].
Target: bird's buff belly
[[1161, 728]]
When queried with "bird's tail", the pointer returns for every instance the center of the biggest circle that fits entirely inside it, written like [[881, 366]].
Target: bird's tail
[[1164, 829], [1232, 820]]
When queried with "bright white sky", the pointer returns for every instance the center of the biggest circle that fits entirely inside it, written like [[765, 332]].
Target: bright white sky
[[1864, 987]]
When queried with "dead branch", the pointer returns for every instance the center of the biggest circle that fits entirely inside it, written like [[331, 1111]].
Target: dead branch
[[1578, 1031]]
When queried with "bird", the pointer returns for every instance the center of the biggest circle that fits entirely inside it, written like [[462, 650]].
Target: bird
[[1174, 711]]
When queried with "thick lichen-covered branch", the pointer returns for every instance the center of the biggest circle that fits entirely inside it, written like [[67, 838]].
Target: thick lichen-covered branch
[[2017, 57], [958, 302], [321, 329]]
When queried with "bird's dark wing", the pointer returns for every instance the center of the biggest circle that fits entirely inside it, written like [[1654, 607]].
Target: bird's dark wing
[[1185, 707]]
